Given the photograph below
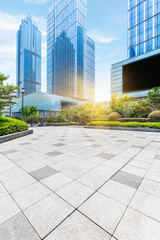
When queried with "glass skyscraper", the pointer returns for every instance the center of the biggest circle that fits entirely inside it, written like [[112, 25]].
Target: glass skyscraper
[[70, 52], [28, 57], [144, 26]]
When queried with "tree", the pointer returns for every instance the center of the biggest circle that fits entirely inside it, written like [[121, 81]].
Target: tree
[[140, 109], [30, 114], [121, 105], [84, 113], [68, 113], [154, 97], [7, 93]]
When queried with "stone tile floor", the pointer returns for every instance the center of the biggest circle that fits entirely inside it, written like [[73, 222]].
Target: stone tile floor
[[71, 183]]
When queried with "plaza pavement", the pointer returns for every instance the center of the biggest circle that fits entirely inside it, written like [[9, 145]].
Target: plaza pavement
[[71, 183]]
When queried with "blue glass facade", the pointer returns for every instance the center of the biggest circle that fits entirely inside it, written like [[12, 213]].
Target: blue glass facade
[[144, 26], [28, 57], [70, 53]]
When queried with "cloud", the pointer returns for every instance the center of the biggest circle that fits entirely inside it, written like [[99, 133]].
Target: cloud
[[36, 1], [99, 38]]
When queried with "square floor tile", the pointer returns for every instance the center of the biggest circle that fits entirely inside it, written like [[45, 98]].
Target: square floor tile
[[3, 191], [53, 154], [59, 145], [153, 175], [136, 226], [78, 227], [128, 179], [157, 157], [105, 155], [17, 183], [118, 191], [146, 204], [47, 214], [103, 211], [17, 228], [56, 181], [8, 209], [150, 187], [30, 195], [8, 152], [43, 173], [75, 193]]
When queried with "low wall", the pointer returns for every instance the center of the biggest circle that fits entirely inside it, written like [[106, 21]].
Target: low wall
[[12, 136]]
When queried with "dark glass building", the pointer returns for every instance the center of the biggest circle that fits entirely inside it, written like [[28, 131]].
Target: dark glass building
[[70, 52], [28, 57]]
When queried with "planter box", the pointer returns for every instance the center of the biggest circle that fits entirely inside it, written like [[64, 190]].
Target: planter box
[[12, 136]]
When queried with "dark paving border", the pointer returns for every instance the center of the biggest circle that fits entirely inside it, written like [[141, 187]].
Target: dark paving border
[[124, 129], [12, 136]]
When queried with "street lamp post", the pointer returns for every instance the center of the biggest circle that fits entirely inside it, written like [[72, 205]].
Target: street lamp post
[[23, 91]]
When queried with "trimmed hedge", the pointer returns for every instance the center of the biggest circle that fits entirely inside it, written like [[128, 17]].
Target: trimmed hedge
[[61, 124], [135, 120], [10, 125], [126, 124]]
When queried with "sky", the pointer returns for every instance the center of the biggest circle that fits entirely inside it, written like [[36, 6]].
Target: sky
[[107, 25]]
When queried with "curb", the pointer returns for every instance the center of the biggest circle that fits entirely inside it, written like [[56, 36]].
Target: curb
[[12, 136], [124, 129]]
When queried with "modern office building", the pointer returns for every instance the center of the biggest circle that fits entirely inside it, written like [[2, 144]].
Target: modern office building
[[28, 57], [70, 52], [140, 72], [47, 104]]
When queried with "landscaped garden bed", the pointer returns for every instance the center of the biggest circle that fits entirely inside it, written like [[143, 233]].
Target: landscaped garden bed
[[155, 125], [10, 125]]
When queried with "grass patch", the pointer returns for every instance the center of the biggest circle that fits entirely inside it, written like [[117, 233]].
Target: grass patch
[[155, 125], [10, 125]]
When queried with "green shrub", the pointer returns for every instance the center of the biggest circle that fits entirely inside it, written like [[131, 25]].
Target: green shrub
[[61, 118], [10, 125], [135, 120], [52, 119], [126, 124], [155, 116], [114, 116]]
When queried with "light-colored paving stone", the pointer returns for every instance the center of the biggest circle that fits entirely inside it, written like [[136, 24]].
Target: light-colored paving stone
[[104, 211], [30, 195], [47, 214], [118, 192], [8, 209], [78, 227], [147, 204], [136, 226], [56, 181], [3, 191], [75, 193]]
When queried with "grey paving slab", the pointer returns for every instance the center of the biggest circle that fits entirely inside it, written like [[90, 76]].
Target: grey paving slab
[[53, 154], [157, 157], [103, 211], [47, 214], [136, 226], [17, 228], [128, 179], [3, 191], [25, 144], [43, 173], [96, 146], [59, 144], [78, 227], [105, 155]]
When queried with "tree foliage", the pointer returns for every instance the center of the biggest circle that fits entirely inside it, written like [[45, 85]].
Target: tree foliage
[[7, 93], [154, 97], [140, 109], [30, 114]]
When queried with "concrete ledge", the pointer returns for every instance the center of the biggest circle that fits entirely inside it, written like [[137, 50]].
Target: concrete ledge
[[12, 136], [124, 129]]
